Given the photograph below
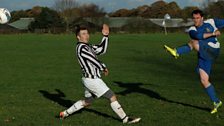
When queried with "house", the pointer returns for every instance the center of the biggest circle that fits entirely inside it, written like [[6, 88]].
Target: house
[[19, 26]]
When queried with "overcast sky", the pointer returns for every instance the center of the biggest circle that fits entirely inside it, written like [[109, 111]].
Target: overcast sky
[[108, 5]]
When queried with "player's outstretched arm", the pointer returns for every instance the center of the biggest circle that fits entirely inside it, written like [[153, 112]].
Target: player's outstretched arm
[[102, 47]]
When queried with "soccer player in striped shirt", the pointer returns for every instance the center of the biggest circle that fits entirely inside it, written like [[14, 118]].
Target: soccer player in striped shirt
[[91, 69], [204, 40]]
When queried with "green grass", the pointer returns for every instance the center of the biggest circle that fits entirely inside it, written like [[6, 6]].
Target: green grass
[[149, 83]]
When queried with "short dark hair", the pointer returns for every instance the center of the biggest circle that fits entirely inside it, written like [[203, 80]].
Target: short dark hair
[[79, 28], [197, 12]]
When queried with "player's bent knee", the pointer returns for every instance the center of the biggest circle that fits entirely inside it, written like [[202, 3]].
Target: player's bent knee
[[113, 98], [191, 44], [110, 95], [194, 44], [205, 82], [194, 41], [88, 101]]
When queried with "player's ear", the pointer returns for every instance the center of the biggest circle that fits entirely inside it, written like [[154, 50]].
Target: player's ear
[[78, 37]]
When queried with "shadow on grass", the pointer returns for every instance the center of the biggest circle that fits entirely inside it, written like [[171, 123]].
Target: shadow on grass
[[136, 88], [60, 99]]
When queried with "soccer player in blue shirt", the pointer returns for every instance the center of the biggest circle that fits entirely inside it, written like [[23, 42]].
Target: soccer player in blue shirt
[[204, 40]]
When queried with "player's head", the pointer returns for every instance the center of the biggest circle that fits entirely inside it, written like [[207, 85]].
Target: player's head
[[198, 17], [82, 34]]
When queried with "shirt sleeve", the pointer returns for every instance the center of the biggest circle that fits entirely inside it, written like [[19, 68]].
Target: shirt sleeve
[[194, 34], [102, 47], [219, 23]]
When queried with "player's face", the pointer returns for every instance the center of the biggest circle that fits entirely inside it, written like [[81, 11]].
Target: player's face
[[83, 36], [198, 20]]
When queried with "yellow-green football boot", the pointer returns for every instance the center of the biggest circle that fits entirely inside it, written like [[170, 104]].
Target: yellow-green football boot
[[173, 52], [216, 106]]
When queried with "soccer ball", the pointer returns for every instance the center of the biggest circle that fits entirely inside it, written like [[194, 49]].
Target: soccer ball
[[4, 15]]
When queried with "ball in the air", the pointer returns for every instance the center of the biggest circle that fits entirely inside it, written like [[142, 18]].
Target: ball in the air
[[5, 16]]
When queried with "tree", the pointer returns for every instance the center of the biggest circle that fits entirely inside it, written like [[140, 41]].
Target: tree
[[91, 10], [66, 9], [35, 11], [186, 12], [173, 9], [121, 13], [47, 19], [147, 12], [158, 9], [16, 15], [142, 10], [62, 5], [215, 9]]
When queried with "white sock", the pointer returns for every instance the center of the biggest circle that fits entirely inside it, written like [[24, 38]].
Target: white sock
[[75, 107], [118, 109]]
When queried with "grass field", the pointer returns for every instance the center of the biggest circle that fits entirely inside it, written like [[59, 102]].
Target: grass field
[[40, 77]]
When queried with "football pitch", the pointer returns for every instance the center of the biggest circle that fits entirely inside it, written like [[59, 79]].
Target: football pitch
[[40, 77]]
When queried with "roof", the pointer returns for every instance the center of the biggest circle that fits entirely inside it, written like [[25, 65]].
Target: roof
[[22, 23], [175, 22], [117, 22]]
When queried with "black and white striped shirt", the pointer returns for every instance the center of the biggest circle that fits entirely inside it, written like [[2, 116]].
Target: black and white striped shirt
[[87, 57]]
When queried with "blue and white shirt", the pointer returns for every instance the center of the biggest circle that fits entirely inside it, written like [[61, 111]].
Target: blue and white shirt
[[209, 47], [209, 26]]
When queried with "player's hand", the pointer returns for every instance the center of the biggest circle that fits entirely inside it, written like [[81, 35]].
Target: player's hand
[[217, 33], [106, 72], [105, 30]]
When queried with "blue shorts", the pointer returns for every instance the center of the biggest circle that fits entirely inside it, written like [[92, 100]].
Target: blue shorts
[[207, 52], [206, 56], [205, 65]]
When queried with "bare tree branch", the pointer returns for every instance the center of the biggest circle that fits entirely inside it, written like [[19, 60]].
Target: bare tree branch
[[62, 5]]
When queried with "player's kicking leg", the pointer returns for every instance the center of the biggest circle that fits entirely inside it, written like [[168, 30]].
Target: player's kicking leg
[[172, 51], [176, 52]]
